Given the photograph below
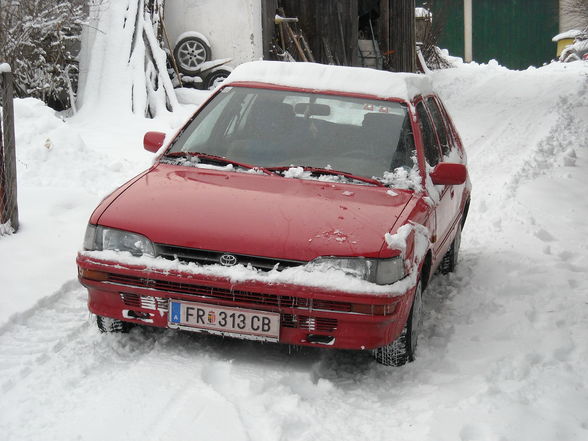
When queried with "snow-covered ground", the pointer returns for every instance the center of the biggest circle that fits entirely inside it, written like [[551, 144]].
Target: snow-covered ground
[[503, 355]]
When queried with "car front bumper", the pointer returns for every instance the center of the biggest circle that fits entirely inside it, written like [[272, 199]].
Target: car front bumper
[[308, 316]]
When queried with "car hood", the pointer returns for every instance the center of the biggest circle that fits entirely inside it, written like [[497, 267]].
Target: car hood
[[252, 214]]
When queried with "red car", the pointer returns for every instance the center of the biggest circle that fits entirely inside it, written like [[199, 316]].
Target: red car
[[302, 203]]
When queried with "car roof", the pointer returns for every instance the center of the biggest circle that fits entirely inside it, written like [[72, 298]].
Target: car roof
[[322, 77]]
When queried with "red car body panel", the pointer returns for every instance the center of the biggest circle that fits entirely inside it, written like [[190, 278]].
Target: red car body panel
[[275, 217], [316, 312], [256, 214]]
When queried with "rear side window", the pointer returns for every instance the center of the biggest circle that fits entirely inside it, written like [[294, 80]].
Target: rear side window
[[440, 125], [431, 147]]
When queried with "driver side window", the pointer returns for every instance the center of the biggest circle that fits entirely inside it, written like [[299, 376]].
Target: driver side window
[[432, 152]]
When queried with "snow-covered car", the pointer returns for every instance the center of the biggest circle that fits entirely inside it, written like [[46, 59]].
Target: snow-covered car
[[302, 203]]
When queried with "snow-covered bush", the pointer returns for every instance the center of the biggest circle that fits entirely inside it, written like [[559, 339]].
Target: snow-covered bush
[[40, 40]]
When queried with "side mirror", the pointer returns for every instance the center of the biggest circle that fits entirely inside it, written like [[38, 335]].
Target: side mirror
[[152, 141], [446, 173]]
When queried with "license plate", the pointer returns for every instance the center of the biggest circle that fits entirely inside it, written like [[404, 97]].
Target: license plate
[[237, 322]]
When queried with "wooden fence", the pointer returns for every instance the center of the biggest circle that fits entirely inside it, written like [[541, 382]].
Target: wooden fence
[[8, 194]]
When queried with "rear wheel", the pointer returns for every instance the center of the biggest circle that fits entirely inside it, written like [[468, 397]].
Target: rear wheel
[[449, 261], [403, 349], [107, 324]]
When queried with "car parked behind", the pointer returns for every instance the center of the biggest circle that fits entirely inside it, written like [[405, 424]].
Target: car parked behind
[[303, 204]]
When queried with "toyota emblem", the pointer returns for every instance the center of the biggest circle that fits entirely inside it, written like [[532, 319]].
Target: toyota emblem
[[228, 260]]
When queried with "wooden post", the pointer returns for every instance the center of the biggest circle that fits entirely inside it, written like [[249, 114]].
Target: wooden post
[[8, 193], [402, 36]]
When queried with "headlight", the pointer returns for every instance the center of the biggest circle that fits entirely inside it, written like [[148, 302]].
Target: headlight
[[380, 271], [100, 238]]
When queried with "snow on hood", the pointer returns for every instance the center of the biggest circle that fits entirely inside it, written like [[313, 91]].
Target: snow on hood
[[323, 77]]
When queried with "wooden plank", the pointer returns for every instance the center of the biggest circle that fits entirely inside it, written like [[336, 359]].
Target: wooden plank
[[319, 21], [402, 33], [268, 27]]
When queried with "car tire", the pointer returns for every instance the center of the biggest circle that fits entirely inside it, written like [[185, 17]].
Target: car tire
[[189, 53], [107, 324], [449, 261], [403, 349], [216, 78]]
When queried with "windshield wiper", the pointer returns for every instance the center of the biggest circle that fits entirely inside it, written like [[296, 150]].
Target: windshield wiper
[[217, 160], [328, 171]]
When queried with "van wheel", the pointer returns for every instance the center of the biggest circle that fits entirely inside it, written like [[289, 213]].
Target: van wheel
[[403, 349], [107, 324], [216, 78], [449, 261]]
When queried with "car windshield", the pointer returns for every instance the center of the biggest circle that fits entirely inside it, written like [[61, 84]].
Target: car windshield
[[281, 128]]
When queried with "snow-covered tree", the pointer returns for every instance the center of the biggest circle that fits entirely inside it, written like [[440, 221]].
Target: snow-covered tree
[[39, 39]]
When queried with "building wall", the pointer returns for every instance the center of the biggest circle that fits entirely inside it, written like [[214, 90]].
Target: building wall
[[568, 20], [233, 27]]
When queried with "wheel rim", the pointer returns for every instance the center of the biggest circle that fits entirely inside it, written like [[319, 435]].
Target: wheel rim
[[191, 54]]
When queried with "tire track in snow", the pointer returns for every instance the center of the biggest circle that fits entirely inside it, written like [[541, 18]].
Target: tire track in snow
[[34, 336]]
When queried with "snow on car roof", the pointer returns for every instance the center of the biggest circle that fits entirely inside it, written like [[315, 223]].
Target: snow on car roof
[[324, 77]]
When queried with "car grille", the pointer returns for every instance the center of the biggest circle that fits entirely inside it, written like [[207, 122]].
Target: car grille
[[253, 298], [315, 324], [206, 257]]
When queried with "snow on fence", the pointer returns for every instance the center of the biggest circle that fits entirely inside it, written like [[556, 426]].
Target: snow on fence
[[8, 197]]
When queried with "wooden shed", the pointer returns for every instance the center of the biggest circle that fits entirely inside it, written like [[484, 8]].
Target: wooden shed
[[344, 31]]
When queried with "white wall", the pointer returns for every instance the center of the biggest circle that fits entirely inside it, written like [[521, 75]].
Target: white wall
[[233, 27], [568, 21]]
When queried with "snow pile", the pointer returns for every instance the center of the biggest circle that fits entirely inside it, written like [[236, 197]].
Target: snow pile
[[126, 68], [50, 151]]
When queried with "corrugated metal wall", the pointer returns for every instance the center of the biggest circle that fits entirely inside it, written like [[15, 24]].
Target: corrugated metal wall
[[517, 33]]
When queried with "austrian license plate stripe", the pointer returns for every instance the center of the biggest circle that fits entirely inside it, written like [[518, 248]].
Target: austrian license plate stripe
[[200, 316]]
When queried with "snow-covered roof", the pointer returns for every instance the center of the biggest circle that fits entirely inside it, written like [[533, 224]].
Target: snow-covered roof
[[324, 77], [573, 33]]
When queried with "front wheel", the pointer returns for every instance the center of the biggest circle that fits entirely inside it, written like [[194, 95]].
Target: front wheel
[[107, 324], [403, 349]]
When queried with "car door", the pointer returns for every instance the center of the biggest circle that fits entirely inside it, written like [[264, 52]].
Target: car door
[[451, 151], [441, 195]]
